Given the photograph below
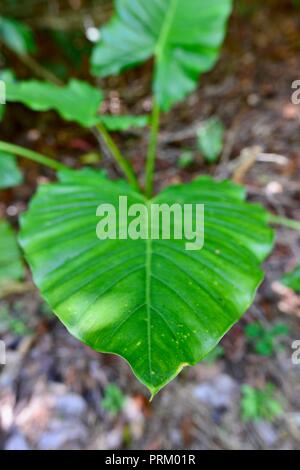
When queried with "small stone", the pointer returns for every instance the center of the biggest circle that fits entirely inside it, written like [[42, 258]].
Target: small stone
[[63, 434], [71, 405], [218, 392], [266, 432], [16, 442], [253, 99]]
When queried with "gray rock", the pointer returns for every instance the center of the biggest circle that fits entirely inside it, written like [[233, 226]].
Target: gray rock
[[266, 432], [71, 405], [62, 434], [16, 442], [218, 392]]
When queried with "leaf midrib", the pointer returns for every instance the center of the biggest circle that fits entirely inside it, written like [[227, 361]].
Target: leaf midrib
[[166, 26], [148, 272]]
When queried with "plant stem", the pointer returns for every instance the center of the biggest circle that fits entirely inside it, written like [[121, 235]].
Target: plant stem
[[115, 152], [36, 68], [31, 155], [39, 70], [290, 223], [152, 150]]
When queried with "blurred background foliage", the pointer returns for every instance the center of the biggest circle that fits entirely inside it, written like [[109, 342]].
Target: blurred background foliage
[[55, 393]]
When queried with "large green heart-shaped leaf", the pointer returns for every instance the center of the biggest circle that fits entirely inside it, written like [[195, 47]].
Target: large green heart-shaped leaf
[[150, 301], [184, 36], [10, 175]]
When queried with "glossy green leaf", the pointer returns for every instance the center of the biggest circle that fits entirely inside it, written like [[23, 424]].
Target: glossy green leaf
[[5, 76], [184, 36], [124, 123], [186, 159], [292, 279], [78, 101], [17, 36], [11, 268], [150, 301], [211, 139], [260, 404], [265, 340], [114, 399], [10, 175], [2, 111]]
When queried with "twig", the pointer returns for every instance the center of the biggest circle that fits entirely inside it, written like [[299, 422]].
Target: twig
[[246, 161], [273, 158], [187, 133]]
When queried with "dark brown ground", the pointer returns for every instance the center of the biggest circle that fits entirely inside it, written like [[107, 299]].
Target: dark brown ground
[[52, 387]]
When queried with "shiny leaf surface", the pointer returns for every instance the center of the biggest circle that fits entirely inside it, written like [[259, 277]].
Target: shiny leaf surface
[[10, 175], [11, 268], [152, 302], [183, 36]]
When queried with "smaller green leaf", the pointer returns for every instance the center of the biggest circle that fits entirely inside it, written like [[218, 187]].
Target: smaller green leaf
[[15, 325], [2, 111], [249, 403], [265, 339], [292, 279], [265, 347], [259, 404], [183, 37], [5, 76], [78, 101], [254, 330], [124, 123], [211, 139], [186, 159], [10, 175], [11, 267], [279, 330], [17, 36], [113, 401]]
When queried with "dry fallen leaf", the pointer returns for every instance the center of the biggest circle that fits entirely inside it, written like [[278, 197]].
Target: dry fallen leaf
[[289, 302]]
